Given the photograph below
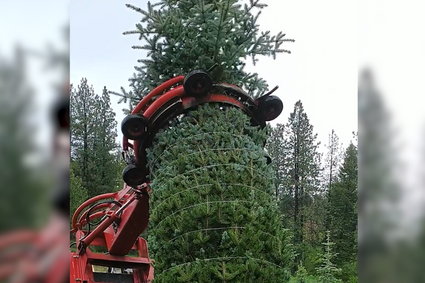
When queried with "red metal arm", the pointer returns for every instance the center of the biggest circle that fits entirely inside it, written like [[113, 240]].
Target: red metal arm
[[155, 92]]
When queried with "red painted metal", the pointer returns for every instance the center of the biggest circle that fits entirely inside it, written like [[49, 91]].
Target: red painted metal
[[134, 220], [155, 92], [127, 216], [35, 255], [118, 233], [85, 205], [176, 92]]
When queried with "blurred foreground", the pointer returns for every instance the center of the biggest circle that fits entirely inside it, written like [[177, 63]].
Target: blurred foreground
[[34, 146]]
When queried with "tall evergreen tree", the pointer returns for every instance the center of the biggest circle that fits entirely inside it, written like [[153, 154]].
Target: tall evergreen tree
[[330, 169], [302, 168], [82, 103], [379, 192], [343, 210], [275, 149], [93, 132], [104, 148], [314, 203], [213, 216], [23, 198], [332, 159]]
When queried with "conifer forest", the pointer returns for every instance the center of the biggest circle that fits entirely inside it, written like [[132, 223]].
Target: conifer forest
[[231, 201]]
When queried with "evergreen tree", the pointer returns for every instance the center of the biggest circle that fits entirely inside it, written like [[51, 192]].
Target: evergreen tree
[[213, 215], [315, 204], [332, 159], [93, 132], [24, 200], [302, 168], [78, 194], [105, 129], [275, 150], [180, 36], [302, 276], [343, 209], [378, 192], [330, 169], [327, 269], [82, 103]]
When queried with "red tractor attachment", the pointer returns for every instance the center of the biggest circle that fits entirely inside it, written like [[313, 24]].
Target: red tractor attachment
[[122, 216], [177, 96]]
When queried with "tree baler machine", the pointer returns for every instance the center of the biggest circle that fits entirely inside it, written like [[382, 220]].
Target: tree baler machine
[[107, 227]]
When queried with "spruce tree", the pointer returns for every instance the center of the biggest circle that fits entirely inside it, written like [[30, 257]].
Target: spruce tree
[[180, 36], [280, 146], [93, 132], [302, 169], [327, 270], [105, 164], [379, 191], [330, 169], [213, 217], [23, 196], [343, 210], [332, 159], [82, 103], [78, 194], [275, 149]]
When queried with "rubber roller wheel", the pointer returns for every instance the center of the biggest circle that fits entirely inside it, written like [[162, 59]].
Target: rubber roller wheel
[[270, 107], [133, 175], [197, 83], [134, 126], [268, 158]]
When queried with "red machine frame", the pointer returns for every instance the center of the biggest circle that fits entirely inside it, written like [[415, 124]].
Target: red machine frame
[[124, 215]]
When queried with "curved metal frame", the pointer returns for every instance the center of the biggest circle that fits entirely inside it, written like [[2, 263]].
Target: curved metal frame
[[169, 100]]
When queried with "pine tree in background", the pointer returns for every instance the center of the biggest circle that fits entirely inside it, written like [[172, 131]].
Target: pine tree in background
[[343, 212], [93, 132], [19, 173], [378, 192], [275, 146], [213, 217], [332, 159], [82, 128], [104, 147], [78, 194], [302, 168], [330, 168]]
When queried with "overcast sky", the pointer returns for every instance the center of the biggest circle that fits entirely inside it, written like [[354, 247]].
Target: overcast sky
[[321, 71]]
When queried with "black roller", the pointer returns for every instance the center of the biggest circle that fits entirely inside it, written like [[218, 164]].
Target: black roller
[[133, 175], [270, 107], [268, 158], [197, 83], [134, 126]]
